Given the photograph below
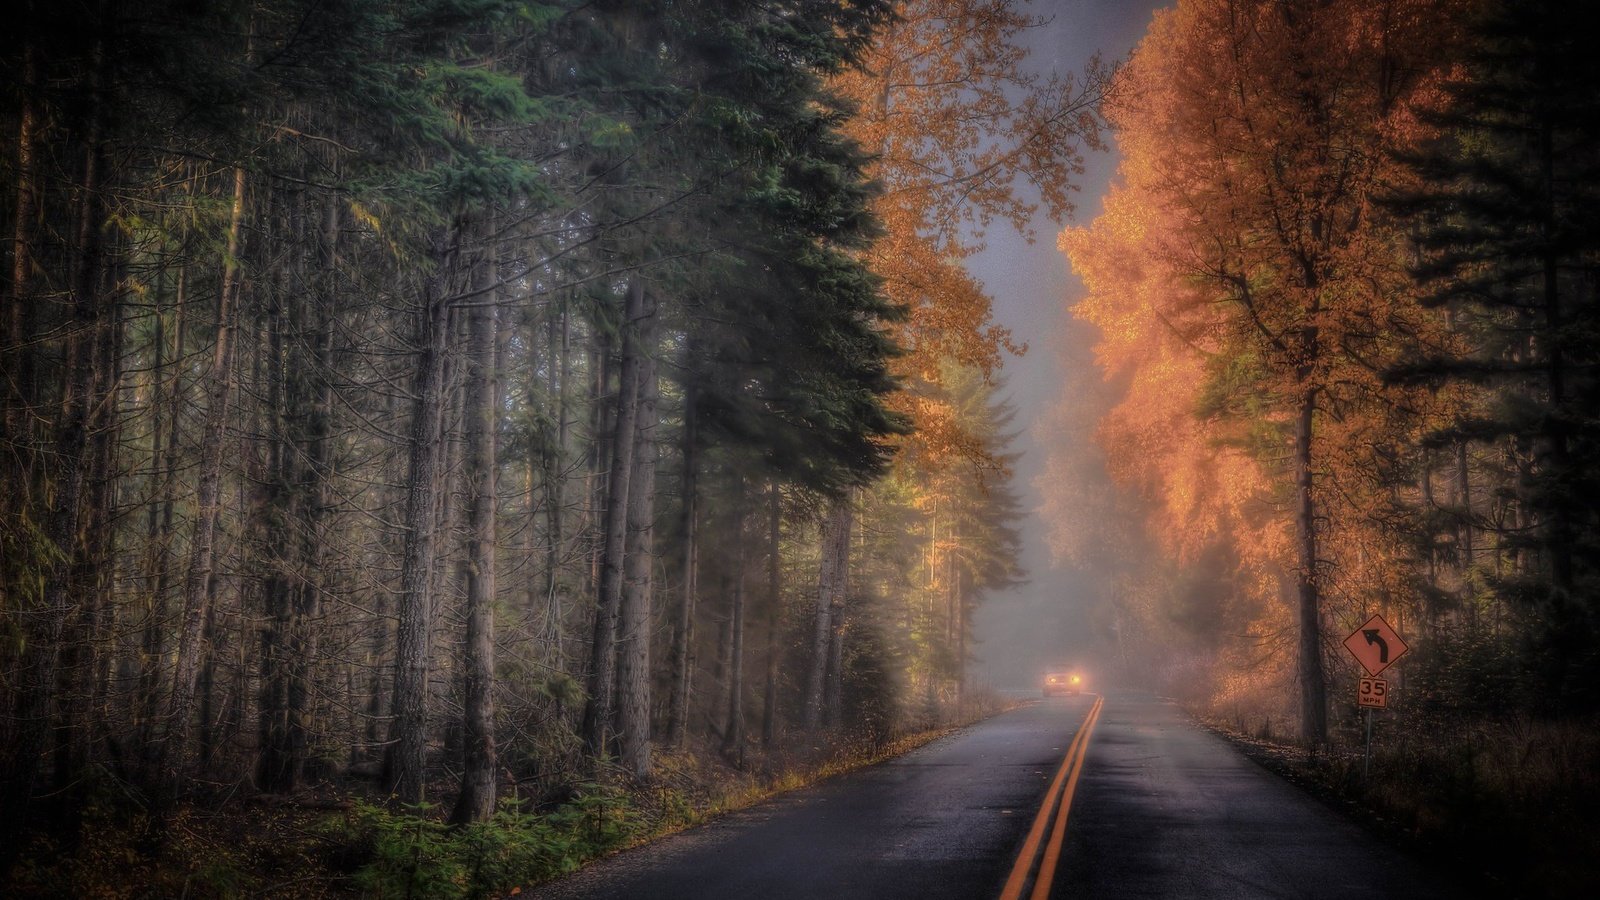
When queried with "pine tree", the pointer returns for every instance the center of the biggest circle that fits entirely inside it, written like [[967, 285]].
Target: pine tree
[[1508, 243]]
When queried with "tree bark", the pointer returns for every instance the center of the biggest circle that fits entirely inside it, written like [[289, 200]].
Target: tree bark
[[601, 706], [36, 697], [633, 638], [1313, 688], [98, 563], [164, 466], [299, 394], [833, 691], [180, 702], [197, 581], [1464, 486], [683, 632], [14, 349], [1556, 451], [769, 708], [733, 722], [275, 769], [830, 607], [314, 479], [404, 766], [602, 415], [87, 548], [955, 609], [556, 479], [477, 800]]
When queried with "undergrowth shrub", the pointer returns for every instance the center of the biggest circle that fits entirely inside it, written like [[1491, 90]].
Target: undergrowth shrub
[[1517, 794], [1510, 801], [114, 849], [412, 854]]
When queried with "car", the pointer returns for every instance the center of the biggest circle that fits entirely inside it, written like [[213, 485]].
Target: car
[[1062, 682]]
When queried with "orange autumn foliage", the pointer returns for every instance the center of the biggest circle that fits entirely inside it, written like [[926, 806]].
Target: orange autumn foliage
[[963, 137], [957, 123], [1250, 292]]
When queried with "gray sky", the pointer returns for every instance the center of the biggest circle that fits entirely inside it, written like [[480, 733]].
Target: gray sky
[[1024, 630]]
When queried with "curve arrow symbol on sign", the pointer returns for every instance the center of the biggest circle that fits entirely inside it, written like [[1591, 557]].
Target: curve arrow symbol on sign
[[1373, 637], [1375, 645]]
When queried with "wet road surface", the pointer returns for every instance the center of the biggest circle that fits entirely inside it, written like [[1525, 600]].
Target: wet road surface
[[1165, 809], [1156, 808]]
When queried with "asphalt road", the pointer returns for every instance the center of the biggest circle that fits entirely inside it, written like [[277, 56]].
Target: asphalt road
[[1156, 808], [1167, 810]]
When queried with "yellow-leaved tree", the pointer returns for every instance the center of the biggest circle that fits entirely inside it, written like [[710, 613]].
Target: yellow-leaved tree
[[964, 135], [1251, 293]]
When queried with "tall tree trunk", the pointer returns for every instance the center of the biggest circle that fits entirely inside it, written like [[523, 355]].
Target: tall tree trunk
[[175, 749], [98, 562], [380, 630], [830, 606], [450, 550], [683, 630], [1425, 482], [476, 802], [963, 591], [206, 684], [833, 690], [313, 485], [733, 722], [599, 711], [84, 406], [602, 415], [633, 637], [555, 479], [36, 704], [275, 763], [1556, 451], [544, 473], [1313, 688], [158, 537], [296, 498], [404, 766], [1464, 486], [769, 708], [15, 353], [154, 559], [377, 652]]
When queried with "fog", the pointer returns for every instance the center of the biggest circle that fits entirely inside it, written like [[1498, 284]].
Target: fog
[[1049, 620]]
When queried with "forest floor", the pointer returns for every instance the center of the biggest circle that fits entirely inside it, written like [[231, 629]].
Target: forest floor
[[334, 840], [1513, 806]]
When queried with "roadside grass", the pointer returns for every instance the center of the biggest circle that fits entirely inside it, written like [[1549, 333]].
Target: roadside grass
[[1508, 805], [405, 857], [335, 842]]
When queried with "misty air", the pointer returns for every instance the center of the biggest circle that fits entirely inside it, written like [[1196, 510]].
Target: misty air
[[677, 449]]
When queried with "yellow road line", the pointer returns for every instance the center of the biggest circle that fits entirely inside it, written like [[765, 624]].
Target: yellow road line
[[1052, 853], [1071, 763]]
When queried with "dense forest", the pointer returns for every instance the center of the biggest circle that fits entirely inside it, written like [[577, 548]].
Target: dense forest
[[453, 400], [442, 441], [1345, 296]]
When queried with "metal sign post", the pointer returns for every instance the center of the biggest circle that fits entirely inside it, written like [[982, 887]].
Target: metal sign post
[[1376, 646], [1366, 757], [1372, 694]]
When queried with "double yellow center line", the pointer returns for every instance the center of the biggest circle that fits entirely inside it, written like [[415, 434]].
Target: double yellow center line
[[1059, 801]]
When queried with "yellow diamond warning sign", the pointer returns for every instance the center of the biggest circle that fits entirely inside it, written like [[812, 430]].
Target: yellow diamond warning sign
[[1375, 645]]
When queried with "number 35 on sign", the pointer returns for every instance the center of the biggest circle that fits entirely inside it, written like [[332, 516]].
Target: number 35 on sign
[[1374, 692]]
